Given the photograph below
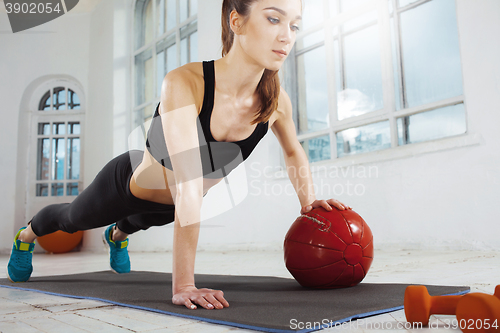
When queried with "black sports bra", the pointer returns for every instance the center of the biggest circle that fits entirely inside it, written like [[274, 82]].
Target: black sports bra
[[218, 159]]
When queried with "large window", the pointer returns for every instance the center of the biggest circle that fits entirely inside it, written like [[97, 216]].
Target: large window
[[368, 75], [58, 130], [165, 38]]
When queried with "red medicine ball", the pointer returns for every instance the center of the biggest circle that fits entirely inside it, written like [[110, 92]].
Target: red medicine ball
[[329, 249]]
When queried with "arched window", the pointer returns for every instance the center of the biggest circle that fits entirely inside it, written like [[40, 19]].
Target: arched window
[[58, 147], [165, 38]]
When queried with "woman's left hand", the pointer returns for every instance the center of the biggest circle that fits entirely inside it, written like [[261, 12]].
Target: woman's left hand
[[326, 204]]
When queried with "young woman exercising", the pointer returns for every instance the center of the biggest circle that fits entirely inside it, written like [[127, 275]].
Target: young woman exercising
[[231, 102]]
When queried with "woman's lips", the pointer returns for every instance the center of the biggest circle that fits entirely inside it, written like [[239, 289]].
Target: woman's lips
[[282, 55]]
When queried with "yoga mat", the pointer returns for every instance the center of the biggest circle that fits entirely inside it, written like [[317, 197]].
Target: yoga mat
[[269, 304]]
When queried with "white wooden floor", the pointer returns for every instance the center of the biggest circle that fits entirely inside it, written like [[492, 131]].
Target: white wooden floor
[[23, 311]]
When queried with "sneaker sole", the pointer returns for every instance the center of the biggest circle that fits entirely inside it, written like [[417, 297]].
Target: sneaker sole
[[8, 277], [106, 245]]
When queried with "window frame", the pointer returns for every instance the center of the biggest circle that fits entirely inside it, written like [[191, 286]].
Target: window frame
[[388, 112], [178, 29]]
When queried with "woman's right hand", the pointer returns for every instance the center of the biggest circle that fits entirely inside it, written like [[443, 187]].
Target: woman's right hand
[[207, 298]]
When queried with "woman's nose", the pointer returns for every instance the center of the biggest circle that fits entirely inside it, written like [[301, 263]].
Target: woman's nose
[[285, 36]]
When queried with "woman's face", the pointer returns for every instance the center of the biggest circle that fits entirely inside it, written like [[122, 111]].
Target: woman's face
[[270, 30]]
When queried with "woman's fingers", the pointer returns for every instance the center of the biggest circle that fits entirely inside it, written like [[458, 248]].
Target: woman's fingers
[[326, 204], [211, 299], [220, 297], [338, 204], [189, 304], [214, 301]]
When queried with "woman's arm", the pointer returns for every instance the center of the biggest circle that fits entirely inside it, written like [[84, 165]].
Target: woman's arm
[[297, 165], [179, 116]]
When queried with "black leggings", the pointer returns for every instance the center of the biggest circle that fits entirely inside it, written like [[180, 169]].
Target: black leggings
[[106, 200]]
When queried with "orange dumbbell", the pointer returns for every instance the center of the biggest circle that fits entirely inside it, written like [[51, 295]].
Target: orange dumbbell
[[478, 312], [419, 305]]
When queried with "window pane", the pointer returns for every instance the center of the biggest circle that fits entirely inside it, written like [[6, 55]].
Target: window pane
[[58, 128], [403, 3], [143, 22], [58, 158], [43, 155], [73, 158], [338, 69], [317, 149], [57, 189], [334, 7], [395, 68], [346, 5], [171, 14], [184, 51], [363, 74], [364, 139], [370, 17], [160, 17], [72, 189], [311, 39], [183, 10], [73, 128], [389, 5], [312, 14], [42, 190], [43, 128], [143, 115], [147, 22], [144, 76], [160, 71], [193, 7], [45, 102], [193, 47], [73, 100], [312, 91], [431, 57], [59, 95], [430, 125], [171, 58]]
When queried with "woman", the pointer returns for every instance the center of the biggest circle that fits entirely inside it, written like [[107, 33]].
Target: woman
[[235, 99]]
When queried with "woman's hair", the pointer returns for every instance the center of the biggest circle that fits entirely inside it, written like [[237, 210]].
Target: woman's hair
[[269, 85]]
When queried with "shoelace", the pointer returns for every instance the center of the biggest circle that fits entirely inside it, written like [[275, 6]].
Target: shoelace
[[23, 260]]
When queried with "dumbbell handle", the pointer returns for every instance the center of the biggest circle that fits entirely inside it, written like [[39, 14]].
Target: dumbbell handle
[[444, 305], [447, 305]]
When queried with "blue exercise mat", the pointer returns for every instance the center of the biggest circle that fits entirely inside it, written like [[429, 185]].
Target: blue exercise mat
[[262, 303]]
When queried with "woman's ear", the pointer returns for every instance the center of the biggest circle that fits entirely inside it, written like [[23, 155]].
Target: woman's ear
[[236, 22]]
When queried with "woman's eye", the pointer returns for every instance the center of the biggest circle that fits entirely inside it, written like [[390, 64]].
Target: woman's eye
[[295, 27]]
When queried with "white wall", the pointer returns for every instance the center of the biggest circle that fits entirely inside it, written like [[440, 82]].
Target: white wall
[[25, 57], [77, 47]]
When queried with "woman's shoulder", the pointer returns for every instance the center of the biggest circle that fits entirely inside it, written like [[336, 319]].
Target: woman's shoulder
[[191, 77]]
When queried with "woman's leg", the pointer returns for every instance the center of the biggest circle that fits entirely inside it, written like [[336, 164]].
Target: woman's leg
[[105, 201]]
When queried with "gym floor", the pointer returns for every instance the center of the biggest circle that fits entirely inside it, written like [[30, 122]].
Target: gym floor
[[24, 311]]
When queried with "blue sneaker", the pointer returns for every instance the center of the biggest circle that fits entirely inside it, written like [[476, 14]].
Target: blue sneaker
[[118, 253], [20, 267]]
